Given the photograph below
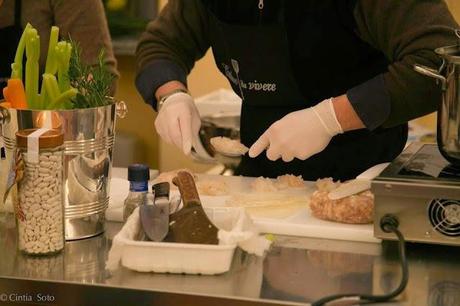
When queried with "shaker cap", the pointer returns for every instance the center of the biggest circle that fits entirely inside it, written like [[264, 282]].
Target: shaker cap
[[138, 173]]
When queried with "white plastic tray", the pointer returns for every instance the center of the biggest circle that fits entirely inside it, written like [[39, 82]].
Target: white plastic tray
[[162, 257]]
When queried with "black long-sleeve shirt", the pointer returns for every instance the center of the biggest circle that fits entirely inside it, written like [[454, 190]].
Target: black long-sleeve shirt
[[405, 31]]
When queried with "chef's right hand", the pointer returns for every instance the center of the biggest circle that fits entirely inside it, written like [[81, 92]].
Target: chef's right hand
[[178, 121]]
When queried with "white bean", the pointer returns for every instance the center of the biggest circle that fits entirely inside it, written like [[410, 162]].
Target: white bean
[[53, 158], [45, 164], [43, 192], [38, 213], [44, 158], [42, 185]]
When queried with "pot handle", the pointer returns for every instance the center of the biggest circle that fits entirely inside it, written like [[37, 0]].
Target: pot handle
[[430, 72], [121, 109], [4, 115]]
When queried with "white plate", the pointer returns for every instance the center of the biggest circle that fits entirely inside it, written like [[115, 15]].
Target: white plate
[[294, 222]]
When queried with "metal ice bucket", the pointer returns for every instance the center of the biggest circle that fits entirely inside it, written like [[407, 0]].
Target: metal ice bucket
[[88, 144]]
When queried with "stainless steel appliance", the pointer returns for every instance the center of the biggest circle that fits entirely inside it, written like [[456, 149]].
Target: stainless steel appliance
[[422, 190], [88, 143], [448, 75]]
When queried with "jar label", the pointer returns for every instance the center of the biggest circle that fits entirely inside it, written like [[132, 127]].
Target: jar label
[[33, 144]]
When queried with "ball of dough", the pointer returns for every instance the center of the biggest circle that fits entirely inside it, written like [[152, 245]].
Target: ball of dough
[[355, 209]]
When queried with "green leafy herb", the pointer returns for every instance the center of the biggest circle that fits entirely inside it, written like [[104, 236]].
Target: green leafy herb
[[92, 82]]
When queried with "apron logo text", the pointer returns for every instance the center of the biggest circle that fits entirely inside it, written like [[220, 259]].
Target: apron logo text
[[252, 86]]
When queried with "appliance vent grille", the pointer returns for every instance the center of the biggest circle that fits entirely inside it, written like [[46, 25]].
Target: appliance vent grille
[[444, 216]]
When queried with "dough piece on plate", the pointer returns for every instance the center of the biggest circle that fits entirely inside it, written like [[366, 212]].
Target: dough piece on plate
[[228, 146], [355, 209], [269, 204], [289, 181], [212, 187], [262, 184]]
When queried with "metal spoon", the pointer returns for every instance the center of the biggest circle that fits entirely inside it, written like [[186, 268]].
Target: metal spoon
[[229, 160]]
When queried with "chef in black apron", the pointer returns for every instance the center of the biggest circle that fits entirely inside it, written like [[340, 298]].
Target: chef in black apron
[[256, 59]]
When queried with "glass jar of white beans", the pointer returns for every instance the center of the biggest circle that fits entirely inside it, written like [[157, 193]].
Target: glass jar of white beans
[[40, 209]]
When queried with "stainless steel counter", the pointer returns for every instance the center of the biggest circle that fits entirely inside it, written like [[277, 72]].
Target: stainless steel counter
[[295, 271]]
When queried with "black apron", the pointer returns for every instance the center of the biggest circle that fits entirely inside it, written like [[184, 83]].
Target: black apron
[[10, 37], [256, 59]]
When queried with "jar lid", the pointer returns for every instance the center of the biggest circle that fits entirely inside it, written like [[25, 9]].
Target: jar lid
[[50, 139], [138, 173]]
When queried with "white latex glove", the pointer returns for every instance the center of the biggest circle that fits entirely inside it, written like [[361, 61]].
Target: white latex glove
[[178, 121], [299, 134]]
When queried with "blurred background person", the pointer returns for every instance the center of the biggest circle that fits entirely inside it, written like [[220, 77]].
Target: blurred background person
[[81, 20]]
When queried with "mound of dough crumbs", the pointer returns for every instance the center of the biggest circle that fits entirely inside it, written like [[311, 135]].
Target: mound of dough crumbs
[[263, 184], [212, 187], [289, 180], [327, 184], [228, 146], [355, 209]]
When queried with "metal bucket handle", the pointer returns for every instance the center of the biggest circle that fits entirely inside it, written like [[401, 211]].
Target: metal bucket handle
[[437, 74], [4, 115], [121, 109], [430, 72]]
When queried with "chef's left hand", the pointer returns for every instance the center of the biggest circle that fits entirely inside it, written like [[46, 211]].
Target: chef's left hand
[[299, 134]]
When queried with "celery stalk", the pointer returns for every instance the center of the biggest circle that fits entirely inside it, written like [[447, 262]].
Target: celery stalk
[[51, 66], [64, 100], [51, 88], [16, 67], [51, 62], [63, 53], [32, 69], [44, 97], [39, 101], [16, 70]]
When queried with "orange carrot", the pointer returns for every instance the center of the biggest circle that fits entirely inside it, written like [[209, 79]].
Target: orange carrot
[[5, 93], [5, 104], [16, 94]]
